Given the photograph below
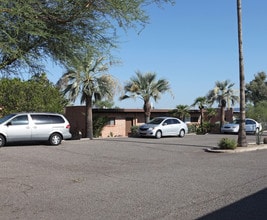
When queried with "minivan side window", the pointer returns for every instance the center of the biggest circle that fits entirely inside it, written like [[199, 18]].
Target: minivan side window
[[56, 119], [20, 120], [47, 119]]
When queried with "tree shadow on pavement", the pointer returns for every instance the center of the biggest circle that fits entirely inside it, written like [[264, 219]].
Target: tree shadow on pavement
[[153, 141], [251, 207]]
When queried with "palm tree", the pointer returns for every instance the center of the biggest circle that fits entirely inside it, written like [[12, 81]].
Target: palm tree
[[210, 113], [242, 139], [181, 111], [145, 86], [201, 102], [87, 79], [224, 94]]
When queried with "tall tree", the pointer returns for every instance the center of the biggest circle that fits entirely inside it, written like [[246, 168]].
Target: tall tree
[[242, 138], [88, 79], [258, 112], [256, 90], [34, 30], [145, 86], [181, 112], [201, 102], [224, 94], [103, 104], [35, 94]]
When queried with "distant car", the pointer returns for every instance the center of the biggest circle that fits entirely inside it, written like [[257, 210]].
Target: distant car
[[251, 126], [20, 127], [163, 126]]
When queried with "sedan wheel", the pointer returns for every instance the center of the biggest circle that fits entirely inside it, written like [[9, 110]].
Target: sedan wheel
[[2, 141], [182, 133], [158, 134]]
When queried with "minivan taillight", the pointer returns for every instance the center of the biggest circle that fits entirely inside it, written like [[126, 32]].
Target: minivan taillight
[[68, 126]]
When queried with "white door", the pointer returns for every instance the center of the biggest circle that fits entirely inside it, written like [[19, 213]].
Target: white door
[[18, 129]]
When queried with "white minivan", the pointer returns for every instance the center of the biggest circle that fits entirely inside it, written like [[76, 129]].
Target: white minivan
[[19, 127]]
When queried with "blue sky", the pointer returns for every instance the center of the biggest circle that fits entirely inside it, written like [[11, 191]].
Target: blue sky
[[192, 44]]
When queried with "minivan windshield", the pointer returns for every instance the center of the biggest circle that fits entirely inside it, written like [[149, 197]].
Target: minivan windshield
[[156, 121], [2, 120]]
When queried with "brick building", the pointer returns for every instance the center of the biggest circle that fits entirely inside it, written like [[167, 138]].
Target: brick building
[[121, 120]]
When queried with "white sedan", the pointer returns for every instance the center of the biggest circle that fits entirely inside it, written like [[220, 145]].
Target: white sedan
[[251, 126], [163, 126]]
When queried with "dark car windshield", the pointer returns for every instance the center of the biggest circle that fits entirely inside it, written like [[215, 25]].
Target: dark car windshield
[[236, 121], [156, 121], [2, 120]]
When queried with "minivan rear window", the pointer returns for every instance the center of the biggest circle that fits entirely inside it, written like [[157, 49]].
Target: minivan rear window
[[47, 119]]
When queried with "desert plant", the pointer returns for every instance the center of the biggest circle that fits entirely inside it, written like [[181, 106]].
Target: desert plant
[[134, 130], [203, 128], [98, 125], [227, 143], [111, 134], [192, 128]]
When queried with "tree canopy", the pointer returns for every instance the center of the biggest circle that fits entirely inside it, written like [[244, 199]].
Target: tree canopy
[[87, 78], [223, 91], [256, 90], [34, 30], [36, 94], [145, 86]]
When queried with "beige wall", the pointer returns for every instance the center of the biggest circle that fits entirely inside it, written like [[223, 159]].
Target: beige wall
[[116, 130]]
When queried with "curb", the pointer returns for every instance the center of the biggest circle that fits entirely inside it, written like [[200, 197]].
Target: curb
[[250, 147]]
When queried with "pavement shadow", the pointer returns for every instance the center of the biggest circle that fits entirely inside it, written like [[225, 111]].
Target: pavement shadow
[[139, 140], [248, 208]]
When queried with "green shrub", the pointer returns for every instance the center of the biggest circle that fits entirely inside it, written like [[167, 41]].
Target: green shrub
[[200, 130], [98, 125], [227, 143], [134, 130], [192, 128]]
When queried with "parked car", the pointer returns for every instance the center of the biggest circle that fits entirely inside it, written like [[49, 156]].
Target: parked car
[[251, 126], [20, 127], [163, 126]]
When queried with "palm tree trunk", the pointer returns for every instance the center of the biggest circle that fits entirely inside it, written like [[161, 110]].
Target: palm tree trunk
[[222, 116], [89, 118], [147, 110], [201, 118], [242, 141]]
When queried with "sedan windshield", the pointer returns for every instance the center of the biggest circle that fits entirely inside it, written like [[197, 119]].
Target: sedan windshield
[[156, 121], [236, 121], [2, 120]]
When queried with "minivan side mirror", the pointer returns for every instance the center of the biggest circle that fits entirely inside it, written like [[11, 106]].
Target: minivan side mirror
[[8, 123]]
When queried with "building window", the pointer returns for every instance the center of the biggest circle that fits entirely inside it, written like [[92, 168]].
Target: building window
[[111, 121], [194, 119], [187, 119]]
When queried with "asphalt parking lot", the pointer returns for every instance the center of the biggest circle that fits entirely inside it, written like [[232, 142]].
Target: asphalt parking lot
[[132, 178]]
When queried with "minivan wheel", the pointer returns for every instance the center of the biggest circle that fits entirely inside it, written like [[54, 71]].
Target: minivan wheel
[[158, 134], [2, 141], [182, 133], [55, 139]]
